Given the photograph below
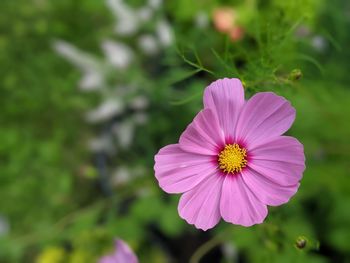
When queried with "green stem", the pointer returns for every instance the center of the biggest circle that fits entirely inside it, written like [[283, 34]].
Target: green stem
[[204, 249]]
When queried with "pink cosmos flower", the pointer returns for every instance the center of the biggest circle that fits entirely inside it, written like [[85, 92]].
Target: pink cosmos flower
[[123, 254], [232, 160]]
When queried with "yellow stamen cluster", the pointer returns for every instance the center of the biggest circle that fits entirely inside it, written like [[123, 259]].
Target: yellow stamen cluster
[[232, 158]]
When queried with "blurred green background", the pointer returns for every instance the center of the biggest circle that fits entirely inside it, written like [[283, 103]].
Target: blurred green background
[[91, 90]]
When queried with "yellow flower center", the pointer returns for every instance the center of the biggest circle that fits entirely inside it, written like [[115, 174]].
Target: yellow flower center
[[232, 158]]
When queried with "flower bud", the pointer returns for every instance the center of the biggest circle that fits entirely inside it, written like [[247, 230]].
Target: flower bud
[[295, 74], [301, 242]]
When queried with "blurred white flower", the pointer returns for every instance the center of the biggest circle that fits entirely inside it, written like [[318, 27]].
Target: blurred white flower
[[117, 97], [4, 226], [230, 252], [103, 143], [201, 20], [117, 54], [155, 4], [124, 132], [144, 191], [120, 176], [319, 43], [145, 14], [126, 19], [148, 44], [123, 174], [107, 110], [139, 103], [80, 59], [140, 118], [91, 80], [164, 32], [90, 66]]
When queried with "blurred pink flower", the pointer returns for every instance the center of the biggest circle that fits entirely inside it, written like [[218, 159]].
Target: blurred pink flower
[[122, 254], [232, 160], [236, 33], [225, 21]]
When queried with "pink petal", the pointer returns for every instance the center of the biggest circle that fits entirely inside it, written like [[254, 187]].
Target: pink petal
[[203, 135], [123, 254], [200, 206], [264, 116], [267, 191], [178, 171], [226, 98], [238, 205], [281, 160]]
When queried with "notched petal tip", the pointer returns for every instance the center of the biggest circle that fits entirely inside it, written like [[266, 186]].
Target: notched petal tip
[[226, 89], [196, 225], [201, 205], [238, 205], [280, 157], [225, 97], [265, 115]]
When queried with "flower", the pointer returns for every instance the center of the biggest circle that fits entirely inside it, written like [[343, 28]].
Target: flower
[[232, 160], [226, 21], [117, 54], [4, 226], [123, 254], [108, 109], [164, 32], [89, 65], [236, 33]]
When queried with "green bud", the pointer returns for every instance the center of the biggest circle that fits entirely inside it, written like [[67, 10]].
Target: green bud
[[295, 74], [301, 242]]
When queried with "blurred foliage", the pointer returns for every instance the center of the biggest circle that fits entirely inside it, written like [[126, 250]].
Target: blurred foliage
[[60, 206]]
